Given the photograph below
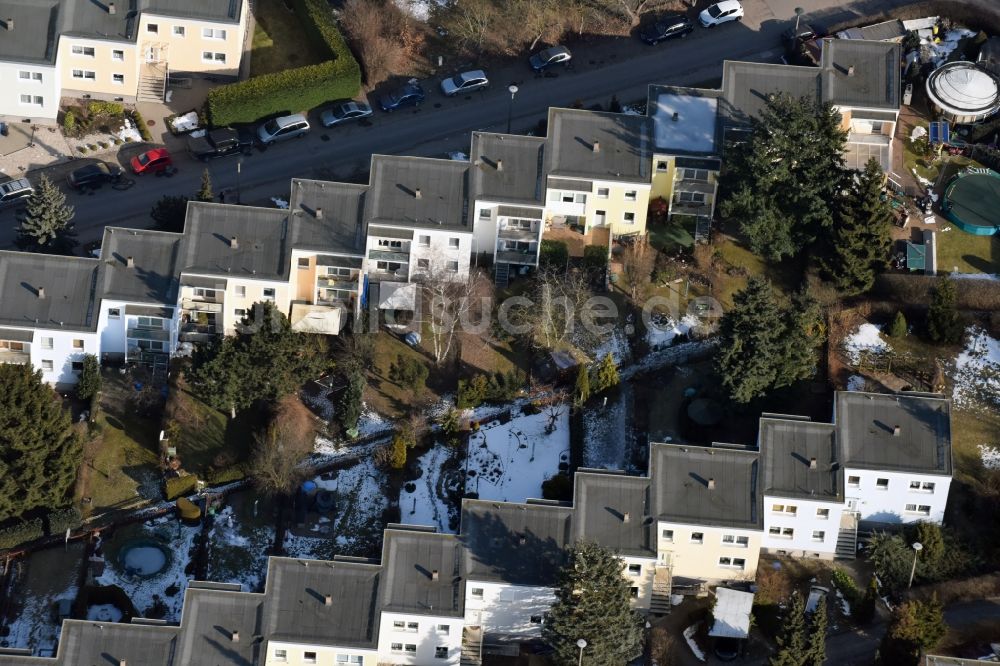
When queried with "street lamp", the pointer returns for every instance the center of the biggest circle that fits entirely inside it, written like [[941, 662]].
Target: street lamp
[[917, 547], [512, 89], [798, 15], [581, 644], [239, 167]]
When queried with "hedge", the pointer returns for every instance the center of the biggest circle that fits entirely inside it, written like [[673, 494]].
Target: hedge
[[296, 89], [217, 477], [63, 519], [179, 486], [20, 533]]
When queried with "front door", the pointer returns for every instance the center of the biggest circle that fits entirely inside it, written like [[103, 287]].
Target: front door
[[152, 53]]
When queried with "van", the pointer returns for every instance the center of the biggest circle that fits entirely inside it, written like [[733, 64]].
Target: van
[[285, 127]]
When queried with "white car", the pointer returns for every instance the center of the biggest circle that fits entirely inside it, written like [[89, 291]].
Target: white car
[[464, 82], [721, 12]]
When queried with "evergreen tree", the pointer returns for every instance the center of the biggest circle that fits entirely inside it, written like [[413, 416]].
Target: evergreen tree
[[46, 224], [39, 450], [779, 183], [397, 451], [581, 390], [932, 555], [750, 342], [605, 375], [450, 426], [861, 234], [893, 559], [865, 612], [803, 333], [943, 323], [792, 643], [898, 328], [90, 378], [168, 213], [816, 650], [205, 192], [592, 602], [350, 401], [915, 627]]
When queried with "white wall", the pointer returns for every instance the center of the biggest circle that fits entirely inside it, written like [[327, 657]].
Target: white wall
[[889, 505], [803, 523], [484, 229], [700, 559], [440, 252], [643, 581], [12, 87], [507, 609], [325, 654], [427, 637], [62, 354]]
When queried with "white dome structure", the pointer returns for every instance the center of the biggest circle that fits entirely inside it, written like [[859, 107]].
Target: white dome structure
[[964, 92]]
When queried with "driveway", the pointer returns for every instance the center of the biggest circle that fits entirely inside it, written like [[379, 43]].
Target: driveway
[[620, 67]]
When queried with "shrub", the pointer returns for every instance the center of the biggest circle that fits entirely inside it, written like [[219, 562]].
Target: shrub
[[898, 327], [848, 588], [69, 122], [553, 253], [100, 108], [558, 487], [188, 510], [397, 451], [180, 486], [89, 383], [472, 392], [140, 126], [595, 257], [409, 373], [104, 145], [82, 150], [63, 519], [20, 533], [217, 477], [318, 20]]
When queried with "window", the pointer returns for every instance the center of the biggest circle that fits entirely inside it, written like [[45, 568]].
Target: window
[[153, 28], [411, 647], [452, 266], [309, 657], [395, 244], [413, 627], [697, 537], [210, 56], [90, 75], [925, 486], [269, 293], [922, 509], [876, 127], [213, 33], [7, 345], [818, 535], [784, 532], [603, 192], [535, 619], [441, 652], [240, 312], [30, 76], [281, 655], [47, 365], [477, 592], [823, 514], [118, 79], [84, 51], [444, 629], [303, 262], [691, 197], [398, 625], [114, 313], [34, 100], [791, 510], [485, 213], [453, 243], [667, 535], [733, 540], [630, 195], [396, 647], [47, 343], [149, 322], [240, 290], [350, 659], [854, 481], [928, 486], [201, 292], [778, 508], [600, 217], [633, 592], [424, 241], [635, 570], [628, 218], [342, 272], [77, 344], [694, 174], [77, 366], [118, 55], [178, 31], [732, 562], [914, 485], [661, 166], [423, 264], [882, 484]]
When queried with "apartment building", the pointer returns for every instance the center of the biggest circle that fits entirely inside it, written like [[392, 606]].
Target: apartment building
[[122, 50]]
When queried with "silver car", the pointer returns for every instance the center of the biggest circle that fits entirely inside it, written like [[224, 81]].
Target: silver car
[[465, 82], [344, 111], [285, 127], [15, 193]]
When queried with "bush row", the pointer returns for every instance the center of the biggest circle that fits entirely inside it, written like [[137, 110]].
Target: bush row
[[180, 486], [22, 532], [292, 89], [917, 290]]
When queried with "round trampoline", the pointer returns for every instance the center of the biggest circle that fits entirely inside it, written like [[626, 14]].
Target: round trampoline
[[972, 201]]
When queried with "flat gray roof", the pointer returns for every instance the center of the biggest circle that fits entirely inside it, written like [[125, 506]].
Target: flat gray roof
[[600, 145], [508, 168], [419, 192], [261, 234], [36, 28], [693, 128], [328, 217], [67, 285], [615, 511], [861, 73], [296, 608], [152, 278], [747, 86], [788, 447], [215, 10], [521, 544], [211, 618], [681, 476], [424, 573], [866, 423], [83, 643]]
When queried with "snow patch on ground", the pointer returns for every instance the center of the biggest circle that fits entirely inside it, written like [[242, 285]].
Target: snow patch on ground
[[185, 123], [689, 638], [867, 338], [605, 433], [856, 383], [974, 276], [977, 371], [425, 505], [660, 335], [238, 551], [949, 42], [35, 626], [419, 9], [509, 462], [990, 456], [615, 344], [128, 131]]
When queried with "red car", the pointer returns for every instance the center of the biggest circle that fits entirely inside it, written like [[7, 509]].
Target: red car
[[156, 160]]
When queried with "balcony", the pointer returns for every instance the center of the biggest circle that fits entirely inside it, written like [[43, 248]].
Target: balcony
[[698, 186], [529, 258], [376, 275], [691, 208], [192, 332], [201, 305], [15, 357], [159, 334], [389, 255], [517, 234], [340, 283]]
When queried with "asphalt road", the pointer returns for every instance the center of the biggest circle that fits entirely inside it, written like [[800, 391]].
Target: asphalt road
[[619, 67]]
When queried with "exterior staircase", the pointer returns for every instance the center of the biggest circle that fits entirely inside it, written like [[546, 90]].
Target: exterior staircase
[[659, 601], [472, 646], [502, 275], [152, 83], [702, 229], [847, 537]]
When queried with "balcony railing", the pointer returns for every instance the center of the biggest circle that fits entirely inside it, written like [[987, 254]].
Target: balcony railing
[[528, 258], [198, 332], [160, 334], [196, 305], [400, 274], [690, 208], [387, 255], [15, 357], [345, 284], [516, 233]]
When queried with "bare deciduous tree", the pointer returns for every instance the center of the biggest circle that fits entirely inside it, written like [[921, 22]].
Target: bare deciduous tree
[[558, 301], [276, 465], [383, 35], [638, 261], [448, 302]]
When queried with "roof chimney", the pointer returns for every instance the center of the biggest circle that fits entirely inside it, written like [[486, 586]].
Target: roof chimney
[[319, 213], [234, 242], [850, 70], [434, 575], [236, 636], [9, 23], [676, 116], [111, 8], [130, 262], [597, 146], [711, 484], [416, 193], [896, 430], [41, 292], [626, 517], [328, 600], [812, 463], [499, 165], [122, 662]]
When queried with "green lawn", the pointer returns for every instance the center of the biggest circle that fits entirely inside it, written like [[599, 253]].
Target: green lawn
[[743, 263], [671, 236], [208, 442], [120, 464], [279, 40], [960, 252]]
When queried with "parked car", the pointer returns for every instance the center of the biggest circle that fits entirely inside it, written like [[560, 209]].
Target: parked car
[[94, 175], [156, 160], [465, 82], [220, 143], [554, 55], [14, 192], [721, 12], [286, 127], [408, 94], [667, 27], [343, 111], [792, 37]]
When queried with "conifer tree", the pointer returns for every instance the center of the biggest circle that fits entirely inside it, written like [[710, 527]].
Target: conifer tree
[[46, 224], [205, 192], [860, 236], [39, 449], [581, 390], [606, 375], [792, 643], [750, 342], [169, 213], [89, 383], [816, 651], [865, 612], [899, 327], [943, 323], [915, 627], [803, 333], [592, 602]]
